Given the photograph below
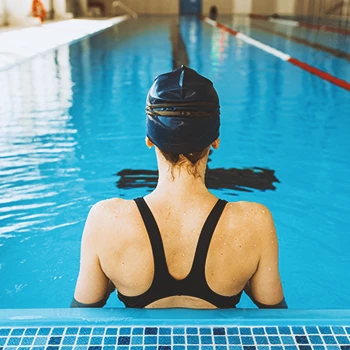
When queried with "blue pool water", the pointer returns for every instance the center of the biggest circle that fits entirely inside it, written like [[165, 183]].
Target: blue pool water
[[72, 119]]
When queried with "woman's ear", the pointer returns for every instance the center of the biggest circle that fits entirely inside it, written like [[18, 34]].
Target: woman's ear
[[148, 142], [216, 144]]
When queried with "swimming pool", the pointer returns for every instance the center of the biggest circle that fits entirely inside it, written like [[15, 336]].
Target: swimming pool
[[72, 133]]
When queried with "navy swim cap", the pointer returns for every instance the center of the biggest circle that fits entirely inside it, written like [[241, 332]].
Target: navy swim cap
[[183, 112]]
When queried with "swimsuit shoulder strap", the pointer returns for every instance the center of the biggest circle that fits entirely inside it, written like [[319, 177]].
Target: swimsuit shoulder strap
[[160, 267], [198, 267]]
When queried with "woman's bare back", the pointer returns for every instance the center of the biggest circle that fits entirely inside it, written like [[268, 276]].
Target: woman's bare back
[[126, 257]]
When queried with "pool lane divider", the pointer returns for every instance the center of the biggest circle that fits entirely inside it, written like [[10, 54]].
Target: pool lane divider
[[300, 24], [337, 53], [281, 55]]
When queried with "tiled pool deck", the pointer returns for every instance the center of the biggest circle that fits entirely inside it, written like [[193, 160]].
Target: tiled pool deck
[[126, 329], [18, 45]]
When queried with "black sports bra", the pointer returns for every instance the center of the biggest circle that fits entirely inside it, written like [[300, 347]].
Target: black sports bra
[[195, 284]]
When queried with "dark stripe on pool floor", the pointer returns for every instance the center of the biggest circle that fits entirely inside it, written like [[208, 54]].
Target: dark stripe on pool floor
[[178, 47]]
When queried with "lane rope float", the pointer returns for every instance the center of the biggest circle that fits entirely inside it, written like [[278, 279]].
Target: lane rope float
[[281, 55]]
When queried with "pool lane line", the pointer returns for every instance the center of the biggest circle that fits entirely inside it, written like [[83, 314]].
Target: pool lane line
[[283, 56], [317, 46], [303, 24]]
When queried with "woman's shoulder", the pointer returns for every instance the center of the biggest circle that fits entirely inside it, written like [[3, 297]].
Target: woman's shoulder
[[252, 215]]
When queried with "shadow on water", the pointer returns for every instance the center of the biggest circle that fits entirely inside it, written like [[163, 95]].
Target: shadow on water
[[244, 180]]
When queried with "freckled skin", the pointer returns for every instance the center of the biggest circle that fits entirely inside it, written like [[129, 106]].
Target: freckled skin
[[115, 246]]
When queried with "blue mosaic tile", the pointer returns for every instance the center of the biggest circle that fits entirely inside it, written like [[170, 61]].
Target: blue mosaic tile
[[332, 347], [259, 331], [219, 331], [329, 339], [122, 340], [111, 331], [190, 347], [110, 340], [70, 330], [98, 331], [206, 339], [192, 339], [85, 331], [165, 331], [305, 347], [325, 330], [271, 330], [151, 330], [338, 330], [30, 331], [221, 347], [138, 331], [263, 347], [319, 347], [27, 341], [247, 340], [62, 348], [151, 347], [192, 330], [164, 340], [235, 347], [52, 347], [13, 341], [301, 339], [207, 347], [204, 331], [284, 330], [245, 331], [151, 339], [40, 341], [311, 330], [342, 339], [4, 331], [347, 329], [178, 339], [82, 340], [55, 340], [108, 347], [126, 331], [249, 347], [179, 330], [57, 331], [315, 339], [219, 340], [298, 330], [232, 330], [286, 339], [261, 340], [80, 347], [345, 347], [17, 331], [164, 347], [290, 347], [94, 347], [69, 340], [2, 341], [274, 339], [137, 340], [276, 347], [179, 347], [136, 348], [233, 339], [96, 340]]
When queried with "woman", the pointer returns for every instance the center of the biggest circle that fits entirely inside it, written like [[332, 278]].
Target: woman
[[180, 246]]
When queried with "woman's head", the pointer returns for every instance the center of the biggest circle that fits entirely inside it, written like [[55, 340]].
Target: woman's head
[[183, 117]]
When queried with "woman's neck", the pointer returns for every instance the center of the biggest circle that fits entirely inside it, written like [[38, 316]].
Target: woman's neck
[[176, 181]]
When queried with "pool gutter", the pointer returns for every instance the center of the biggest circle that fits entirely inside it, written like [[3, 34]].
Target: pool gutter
[[174, 317]]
